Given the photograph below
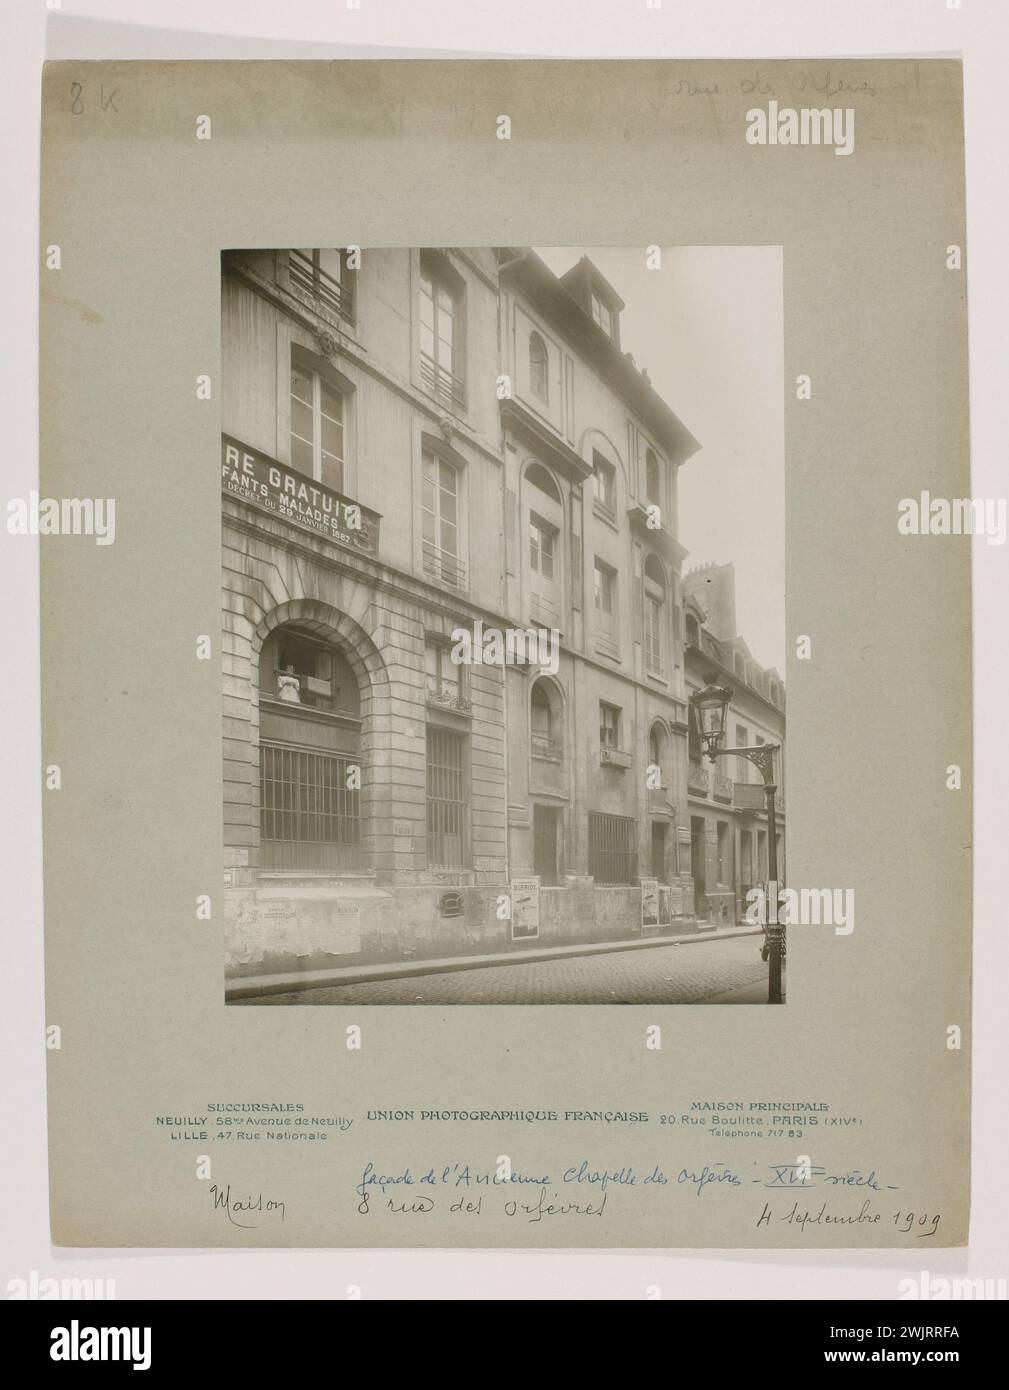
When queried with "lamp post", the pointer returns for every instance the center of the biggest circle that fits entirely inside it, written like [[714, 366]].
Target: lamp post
[[709, 708]]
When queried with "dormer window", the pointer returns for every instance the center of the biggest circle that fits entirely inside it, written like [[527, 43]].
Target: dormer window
[[603, 315]]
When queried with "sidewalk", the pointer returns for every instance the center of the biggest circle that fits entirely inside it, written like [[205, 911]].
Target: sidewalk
[[247, 985]]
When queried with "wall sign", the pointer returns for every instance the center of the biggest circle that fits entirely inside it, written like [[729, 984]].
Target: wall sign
[[256, 478]]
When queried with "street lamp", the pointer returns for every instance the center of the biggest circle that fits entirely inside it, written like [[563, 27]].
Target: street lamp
[[708, 708]]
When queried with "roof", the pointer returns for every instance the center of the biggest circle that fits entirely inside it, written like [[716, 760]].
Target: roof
[[555, 300]]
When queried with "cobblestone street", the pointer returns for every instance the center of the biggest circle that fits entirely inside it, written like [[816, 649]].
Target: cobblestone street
[[675, 974]]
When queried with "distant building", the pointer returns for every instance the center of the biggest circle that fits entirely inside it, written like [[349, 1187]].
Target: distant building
[[728, 822]]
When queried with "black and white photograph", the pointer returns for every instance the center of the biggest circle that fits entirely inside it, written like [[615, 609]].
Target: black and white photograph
[[503, 625]]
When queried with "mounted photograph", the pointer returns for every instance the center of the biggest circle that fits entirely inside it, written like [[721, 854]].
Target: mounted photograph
[[503, 556]]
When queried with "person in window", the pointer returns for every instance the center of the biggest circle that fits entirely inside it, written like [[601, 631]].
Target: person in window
[[289, 686]]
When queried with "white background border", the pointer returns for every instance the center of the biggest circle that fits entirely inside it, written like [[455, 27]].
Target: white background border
[[32, 31]]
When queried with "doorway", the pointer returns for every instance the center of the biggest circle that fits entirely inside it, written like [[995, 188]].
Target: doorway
[[698, 842], [659, 829], [545, 837]]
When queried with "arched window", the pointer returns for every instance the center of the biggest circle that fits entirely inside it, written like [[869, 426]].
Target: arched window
[[544, 720], [654, 615], [693, 631], [310, 770], [652, 478], [538, 476], [538, 367]]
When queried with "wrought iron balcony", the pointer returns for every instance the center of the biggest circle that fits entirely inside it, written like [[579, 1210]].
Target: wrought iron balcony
[[446, 568], [313, 280], [446, 697], [442, 384]]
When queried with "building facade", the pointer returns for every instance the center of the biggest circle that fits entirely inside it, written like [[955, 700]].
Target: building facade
[[418, 444], [728, 817]]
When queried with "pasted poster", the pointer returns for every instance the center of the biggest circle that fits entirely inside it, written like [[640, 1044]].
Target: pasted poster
[[525, 906]]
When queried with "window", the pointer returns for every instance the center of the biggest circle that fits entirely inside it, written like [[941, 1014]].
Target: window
[[609, 725], [652, 477], [693, 743], [654, 615], [541, 547], [538, 476], [613, 856], [693, 631], [447, 800], [722, 830], [538, 367], [325, 275], [604, 585], [544, 515], [444, 678], [310, 771], [440, 509], [739, 666], [659, 850], [545, 844], [543, 725], [440, 336], [603, 315], [296, 668], [604, 479], [317, 426], [310, 815], [539, 705], [656, 748]]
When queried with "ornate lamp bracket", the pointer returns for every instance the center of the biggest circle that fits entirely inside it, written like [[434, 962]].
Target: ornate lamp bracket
[[762, 756]]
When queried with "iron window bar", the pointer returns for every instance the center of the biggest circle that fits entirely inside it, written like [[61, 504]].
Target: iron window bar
[[441, 383], [308, 275]]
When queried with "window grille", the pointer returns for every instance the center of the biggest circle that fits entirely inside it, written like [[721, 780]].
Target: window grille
[[309, 817], [447, 803], [613, 855]]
